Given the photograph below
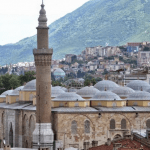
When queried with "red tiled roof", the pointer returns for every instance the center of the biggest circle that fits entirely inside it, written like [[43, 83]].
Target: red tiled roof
[[127, 144], [134, 44]]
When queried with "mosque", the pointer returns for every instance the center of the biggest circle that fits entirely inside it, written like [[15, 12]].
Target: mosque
[[92, 114], [39, 115]]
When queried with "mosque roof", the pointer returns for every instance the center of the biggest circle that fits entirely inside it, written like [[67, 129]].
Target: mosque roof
[[106, 85], [74, 109], [139, 95], [123, 91], [105, 95], [123, 109], [72, 90], [55, 91], [16, 91], [6, 93], [30, 86], [63, 88], [87, 91], [138, 85], [68, 97]]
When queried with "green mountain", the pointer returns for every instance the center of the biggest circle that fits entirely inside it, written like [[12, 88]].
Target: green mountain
[[95, 23]]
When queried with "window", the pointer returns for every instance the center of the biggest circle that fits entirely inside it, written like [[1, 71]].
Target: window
[[123, 124], [87, 126], [61, 104], [31, 97], [135, 104], [148, 103], [76, 104], [74, 127], [99, 104], [112, 124], [114, 104], [148, 123]]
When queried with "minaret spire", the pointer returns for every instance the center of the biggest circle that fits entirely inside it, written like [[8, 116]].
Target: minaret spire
[[42, 18]]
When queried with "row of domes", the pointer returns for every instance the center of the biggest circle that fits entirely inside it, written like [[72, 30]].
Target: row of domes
[[103, 90], [102, 85]]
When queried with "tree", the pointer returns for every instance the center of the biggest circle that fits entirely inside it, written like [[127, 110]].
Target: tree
[[28, 76], [87, 82], [14, 82], [93, 81], [5, 81]]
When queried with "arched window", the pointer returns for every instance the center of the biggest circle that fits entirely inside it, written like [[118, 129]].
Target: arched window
[[112, 124], [11, 135], [117, 137], [123, 124], [31, 125], [148, 123], [87, 126], [74, 127], [2, 118], [25, 125]]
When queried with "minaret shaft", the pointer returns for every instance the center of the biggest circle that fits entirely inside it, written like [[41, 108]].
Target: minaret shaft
[[43, 135], [43, 88], [42, 38]]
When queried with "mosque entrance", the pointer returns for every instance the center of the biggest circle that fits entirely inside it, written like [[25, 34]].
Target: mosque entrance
[[11, 136]]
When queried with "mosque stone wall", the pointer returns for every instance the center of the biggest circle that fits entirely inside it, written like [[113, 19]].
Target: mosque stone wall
[[23, 123], [99, 127]]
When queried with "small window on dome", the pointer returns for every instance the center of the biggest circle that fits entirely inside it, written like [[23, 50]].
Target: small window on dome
[[21, 96], [76, 104], [99, 104], [17, 99], [61, 104], [135, 104], [114, 104], [86, 104]]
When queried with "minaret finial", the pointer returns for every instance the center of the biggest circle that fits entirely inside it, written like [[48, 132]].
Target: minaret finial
[[42, 18]]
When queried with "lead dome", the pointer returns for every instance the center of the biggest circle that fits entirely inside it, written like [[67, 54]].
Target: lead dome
[[6, 93], [68, 97], [30, 86], [87, 92], [16, 91], [106, 85], [139, 95], [138, 85], [123, 92], [105, 95], [55, 91]]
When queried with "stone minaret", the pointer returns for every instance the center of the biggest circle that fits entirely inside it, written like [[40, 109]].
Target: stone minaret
[[43, 134]]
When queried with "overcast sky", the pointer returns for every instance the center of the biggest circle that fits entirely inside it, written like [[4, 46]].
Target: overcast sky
[[18, 18]]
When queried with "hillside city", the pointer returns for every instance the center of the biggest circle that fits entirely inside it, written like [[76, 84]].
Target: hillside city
[[119, 64]]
